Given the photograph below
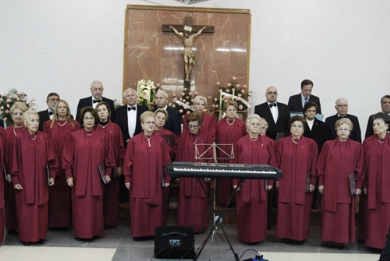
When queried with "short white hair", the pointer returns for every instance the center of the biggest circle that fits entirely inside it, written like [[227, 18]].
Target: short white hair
[[341, 99], [129, 89], [163, 92], [96, 81]]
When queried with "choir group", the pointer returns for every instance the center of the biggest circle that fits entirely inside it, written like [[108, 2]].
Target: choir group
[[71, 172]]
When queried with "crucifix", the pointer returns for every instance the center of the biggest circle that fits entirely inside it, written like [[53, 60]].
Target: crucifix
[[184, 31]]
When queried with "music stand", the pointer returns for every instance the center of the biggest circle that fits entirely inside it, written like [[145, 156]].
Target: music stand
[[218, 221]]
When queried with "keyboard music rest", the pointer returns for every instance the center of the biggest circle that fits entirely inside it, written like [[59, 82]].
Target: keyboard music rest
[[223, 170]]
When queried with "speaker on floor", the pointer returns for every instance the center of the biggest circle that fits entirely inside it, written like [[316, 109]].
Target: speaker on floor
[[174, 242]]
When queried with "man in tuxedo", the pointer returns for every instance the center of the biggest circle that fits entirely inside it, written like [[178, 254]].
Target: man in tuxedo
[[173, 123], [97, 96], [342, 112], [45, 115], [298, 101], [275, 113], [128, 119], [128, 116], [385, 104]]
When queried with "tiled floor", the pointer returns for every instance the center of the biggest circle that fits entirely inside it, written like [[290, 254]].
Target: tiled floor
[[117, 245]]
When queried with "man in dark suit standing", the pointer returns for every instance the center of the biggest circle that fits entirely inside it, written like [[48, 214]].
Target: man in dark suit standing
[[173, 123], [97, 96], [45, 115], [298, 101], [128, 116], [275, 113], [128, 119], [342, 112], [385, 104]]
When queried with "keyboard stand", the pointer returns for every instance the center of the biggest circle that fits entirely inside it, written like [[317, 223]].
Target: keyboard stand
[[218, 222]]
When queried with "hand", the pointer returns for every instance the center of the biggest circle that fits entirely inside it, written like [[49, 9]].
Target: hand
[[269, 187], [108, 179], [171, 27], [312, 188], [365, 191], [207, 179], [165, 185], [51, 182], [18, 186], [70, 182], [235, 186], [127, 185], [120, 171], [321, 189], [177, 180], [9, 178], [277, 185], [358, 191]]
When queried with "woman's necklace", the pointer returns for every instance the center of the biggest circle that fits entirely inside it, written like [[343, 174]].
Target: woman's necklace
[[148, 140], [88, 134], [13, 128], [62, 125], [234, 120], [197, 136], [380, 141], [253, 139], [294, 141], [35, 136], [103, 126]]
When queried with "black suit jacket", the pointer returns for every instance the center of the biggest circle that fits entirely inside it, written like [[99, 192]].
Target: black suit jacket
[[1, 123], [122, 121], [173, 123], [369, 130], [355, 133], [319, 132], [88, 102], [281, 124], [295, 103], [43, 116]]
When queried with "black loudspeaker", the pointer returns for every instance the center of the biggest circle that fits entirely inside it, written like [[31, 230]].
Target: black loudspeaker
[[174, 242]]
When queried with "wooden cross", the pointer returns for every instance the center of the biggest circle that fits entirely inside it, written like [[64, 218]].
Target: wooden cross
[[187, 22], [194, 29]]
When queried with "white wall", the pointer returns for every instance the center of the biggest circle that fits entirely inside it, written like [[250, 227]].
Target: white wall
[[342, 45]]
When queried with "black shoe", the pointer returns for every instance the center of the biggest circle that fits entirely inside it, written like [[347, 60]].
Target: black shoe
[[12, 232], [339, 246], [83, 239], [361, 241], [329, 244], [41, 242], [25, 243]]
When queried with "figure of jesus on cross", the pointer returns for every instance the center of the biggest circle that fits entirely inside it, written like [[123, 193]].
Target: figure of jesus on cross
[[188, 39]]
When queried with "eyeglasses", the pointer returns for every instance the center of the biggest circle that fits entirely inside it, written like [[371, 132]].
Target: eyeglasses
[[343, 129], [296, 126], [53, 99], [89, 119], [200, 104], [149, 122], [274, 93], [97, 89], [193, 126], [342, 105]]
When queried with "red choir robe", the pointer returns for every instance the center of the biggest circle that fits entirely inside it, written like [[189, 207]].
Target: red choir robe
[[145, 168], [208, 124], [377, 181], [336, 162], [31, 154], [60, 206], [83, 153], [193, 202], [111, 190], [167, 134], [227, 133], [11, 222], [294, 203], [251, 199], [3, 145]]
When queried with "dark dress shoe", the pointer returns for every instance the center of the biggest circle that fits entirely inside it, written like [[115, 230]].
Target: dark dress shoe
[[329, 244], [25, 243], [41, 241], [361, 241], [339, 246], [83, 239]]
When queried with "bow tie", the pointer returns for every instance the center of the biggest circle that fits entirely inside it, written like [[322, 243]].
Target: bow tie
[[341, 116], [272, 104], [130, 108], [95, 101], [50, 113]]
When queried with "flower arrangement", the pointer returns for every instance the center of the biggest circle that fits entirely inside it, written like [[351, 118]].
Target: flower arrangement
[[232, 91], [184, 103], [8, 99]]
